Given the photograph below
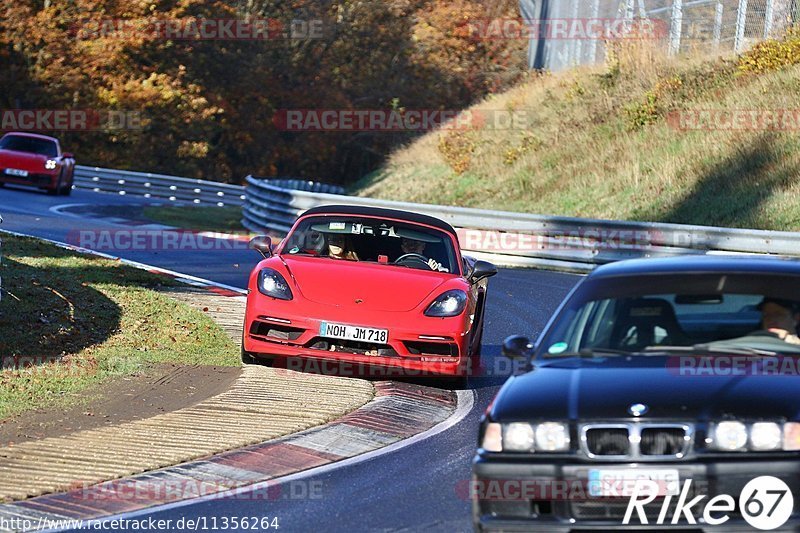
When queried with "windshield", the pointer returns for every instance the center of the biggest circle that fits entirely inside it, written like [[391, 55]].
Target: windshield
[[31, 145], [682, 313], [373, 240]]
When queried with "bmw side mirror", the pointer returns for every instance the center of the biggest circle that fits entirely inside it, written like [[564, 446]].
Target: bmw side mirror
[[517, 347], [262, 244], [482, 270], [68, 155]]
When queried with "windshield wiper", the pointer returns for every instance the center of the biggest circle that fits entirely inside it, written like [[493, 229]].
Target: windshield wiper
[[589, 352], [735, 350]]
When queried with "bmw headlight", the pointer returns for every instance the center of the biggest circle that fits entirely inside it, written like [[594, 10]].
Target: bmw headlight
[[50, 164], [729, 436], [552, 437], [518, 437], [525, 437], [450, 303], [734, 436], [272, 283], [766, 436]]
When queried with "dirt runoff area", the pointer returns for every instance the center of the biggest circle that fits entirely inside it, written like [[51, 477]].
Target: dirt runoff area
[[165, 388]]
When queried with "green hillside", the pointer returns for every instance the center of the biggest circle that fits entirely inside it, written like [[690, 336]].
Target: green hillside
[[701, 140]]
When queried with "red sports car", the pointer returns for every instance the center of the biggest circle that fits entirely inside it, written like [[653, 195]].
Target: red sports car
[[31, 159], [369, 292]]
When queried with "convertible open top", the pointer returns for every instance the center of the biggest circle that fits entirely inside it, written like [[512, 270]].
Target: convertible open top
[[381, 213]]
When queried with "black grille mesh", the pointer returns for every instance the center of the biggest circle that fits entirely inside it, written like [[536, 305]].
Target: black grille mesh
[[662, 441], [608, 441]]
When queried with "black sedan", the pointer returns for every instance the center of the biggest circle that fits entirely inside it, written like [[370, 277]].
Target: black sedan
[[664, 393]]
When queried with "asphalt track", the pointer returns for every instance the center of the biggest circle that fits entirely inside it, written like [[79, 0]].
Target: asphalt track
[[420, 486]]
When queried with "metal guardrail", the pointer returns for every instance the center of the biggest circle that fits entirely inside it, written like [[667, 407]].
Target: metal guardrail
[[148, 185], [526, 240]]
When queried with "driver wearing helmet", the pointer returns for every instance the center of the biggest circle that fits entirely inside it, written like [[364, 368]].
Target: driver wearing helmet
[[413, 246]]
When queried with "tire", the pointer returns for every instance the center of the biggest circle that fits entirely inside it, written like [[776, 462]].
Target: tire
[[248, 358], [67, 190], [56, 191], [457, 383]]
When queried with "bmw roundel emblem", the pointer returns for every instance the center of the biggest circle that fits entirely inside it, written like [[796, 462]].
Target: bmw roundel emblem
[[638, 409]]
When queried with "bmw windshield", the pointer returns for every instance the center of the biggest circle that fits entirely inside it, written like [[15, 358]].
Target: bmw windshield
[[375, 240], [698, 313]]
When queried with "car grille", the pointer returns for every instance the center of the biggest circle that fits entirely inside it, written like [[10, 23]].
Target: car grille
[[608, 441], [353, 347], [662, 441], [636, 441]]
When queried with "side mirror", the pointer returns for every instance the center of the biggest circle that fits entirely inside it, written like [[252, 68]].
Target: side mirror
[[517, 347], [262, 244], [68, 155], [482, 270]]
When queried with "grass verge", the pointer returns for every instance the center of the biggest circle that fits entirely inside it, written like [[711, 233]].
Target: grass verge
[[609, 142], [197, 218], [69, 321]]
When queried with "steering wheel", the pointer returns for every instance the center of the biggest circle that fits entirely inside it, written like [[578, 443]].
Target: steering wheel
[[413, 258]]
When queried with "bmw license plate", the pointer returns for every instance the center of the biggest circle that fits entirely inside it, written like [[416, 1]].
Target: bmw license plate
[[353, 333], [16, 172], [621, 482]]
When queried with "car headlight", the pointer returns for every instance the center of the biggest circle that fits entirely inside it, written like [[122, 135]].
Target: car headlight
[[525, 437], [765, 436], [450, 303], [552, 437], [50, 164], [272, 283], [518, 437], [730, 436]]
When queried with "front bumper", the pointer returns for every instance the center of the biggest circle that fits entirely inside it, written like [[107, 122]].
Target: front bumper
[[36, 179], [416, 347], [552, 500]]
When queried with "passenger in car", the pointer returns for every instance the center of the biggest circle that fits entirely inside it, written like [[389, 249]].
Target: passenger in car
[[781, 318], [339, 247]]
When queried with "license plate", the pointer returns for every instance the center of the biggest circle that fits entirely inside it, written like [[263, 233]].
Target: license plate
[[353, 333], [619, 482], [16, 172]]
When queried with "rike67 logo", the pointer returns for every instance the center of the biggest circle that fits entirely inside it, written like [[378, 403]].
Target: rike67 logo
[[765, 503]]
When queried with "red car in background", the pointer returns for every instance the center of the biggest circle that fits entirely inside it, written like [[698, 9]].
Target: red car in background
[[378, 292], [31, 159]]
